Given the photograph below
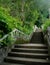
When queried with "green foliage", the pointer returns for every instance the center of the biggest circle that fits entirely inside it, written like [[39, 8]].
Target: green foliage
[[21, 41], [1, 34], [5, 17], [23, 15], [46, 24], [9, 21]]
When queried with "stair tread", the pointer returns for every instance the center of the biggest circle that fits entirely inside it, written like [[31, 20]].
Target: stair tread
[[31, 44], [38, 54], [31, 49], [27, 59], [9, 64]]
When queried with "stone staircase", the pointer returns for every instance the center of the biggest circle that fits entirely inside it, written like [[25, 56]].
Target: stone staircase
[[28, 54], [37, 37]]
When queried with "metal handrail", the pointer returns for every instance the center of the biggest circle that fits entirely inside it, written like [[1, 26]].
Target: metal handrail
[[15, 32]]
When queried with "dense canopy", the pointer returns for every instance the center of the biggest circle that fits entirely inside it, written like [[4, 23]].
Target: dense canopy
[[24, 14]]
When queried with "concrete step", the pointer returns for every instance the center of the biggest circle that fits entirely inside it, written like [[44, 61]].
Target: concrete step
[[30, 45], [10, 64], [28, 55], [26, 61], [36, 41], [37, 37], [30, 50]]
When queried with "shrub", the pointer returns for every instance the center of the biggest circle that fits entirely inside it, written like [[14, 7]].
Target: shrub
[[46, 25]]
